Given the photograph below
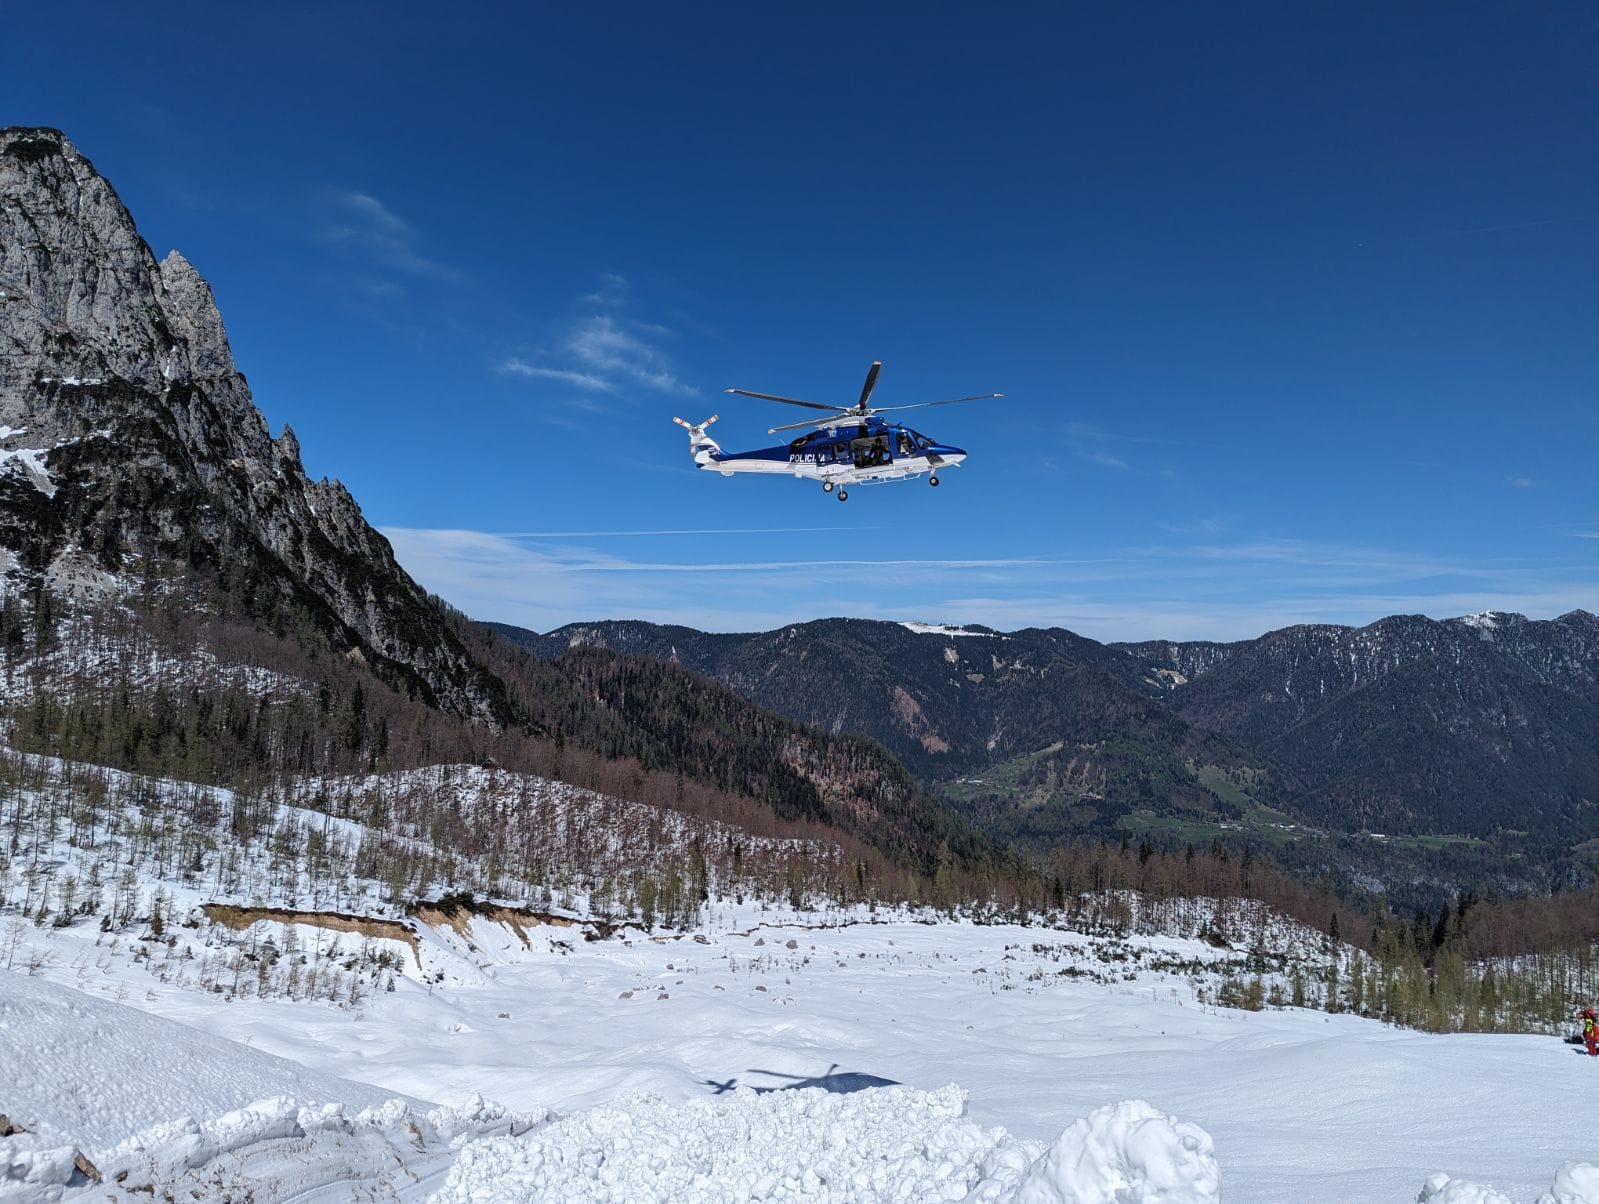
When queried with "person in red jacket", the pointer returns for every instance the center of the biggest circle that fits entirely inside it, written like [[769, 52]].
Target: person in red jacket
[[1590, 1032]]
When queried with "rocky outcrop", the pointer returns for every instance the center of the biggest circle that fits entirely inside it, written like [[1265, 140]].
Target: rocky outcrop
[[129, 441]]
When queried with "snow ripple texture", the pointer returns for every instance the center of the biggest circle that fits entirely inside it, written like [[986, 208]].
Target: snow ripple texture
[[810, 1145]]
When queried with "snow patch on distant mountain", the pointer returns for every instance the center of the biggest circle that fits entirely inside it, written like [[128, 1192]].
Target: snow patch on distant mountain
[[941, 629]]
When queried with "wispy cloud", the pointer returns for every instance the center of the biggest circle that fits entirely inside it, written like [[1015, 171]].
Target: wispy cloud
[[627, 351], [583, 380], [613, 291], [1091, 443], [1196, 526], [1519, 482], [1105, 458], [382, 238], [610, 350], [1221, 592]]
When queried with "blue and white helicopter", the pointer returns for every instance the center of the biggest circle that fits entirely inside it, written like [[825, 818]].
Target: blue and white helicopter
[[849, 446]]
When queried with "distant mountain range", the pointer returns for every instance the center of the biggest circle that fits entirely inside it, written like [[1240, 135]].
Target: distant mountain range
[[1476, 729]]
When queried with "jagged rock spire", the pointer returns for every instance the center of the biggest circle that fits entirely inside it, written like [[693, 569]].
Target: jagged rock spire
[[141, 450]]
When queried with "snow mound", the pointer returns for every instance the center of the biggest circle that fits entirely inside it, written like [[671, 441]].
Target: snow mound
[[1126, 1153], [896, 1143], [273, 1149], [1575, 1183]]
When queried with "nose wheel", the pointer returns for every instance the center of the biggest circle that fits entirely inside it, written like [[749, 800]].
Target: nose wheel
[[933, 481], [843, 495]]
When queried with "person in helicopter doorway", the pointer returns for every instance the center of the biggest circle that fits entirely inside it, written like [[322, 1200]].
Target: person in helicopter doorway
[[1590, 1032], [880, 451]]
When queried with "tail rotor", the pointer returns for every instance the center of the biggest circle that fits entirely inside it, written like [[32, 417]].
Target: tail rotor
[[700, 444]]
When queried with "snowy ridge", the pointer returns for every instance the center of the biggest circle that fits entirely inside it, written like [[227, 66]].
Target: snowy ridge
[[942, 629]]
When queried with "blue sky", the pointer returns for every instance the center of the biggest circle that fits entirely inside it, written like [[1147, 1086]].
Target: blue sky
[[1294, 305]]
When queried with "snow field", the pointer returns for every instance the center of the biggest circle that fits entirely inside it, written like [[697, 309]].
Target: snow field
[[85, 1071], [1036, 1024]]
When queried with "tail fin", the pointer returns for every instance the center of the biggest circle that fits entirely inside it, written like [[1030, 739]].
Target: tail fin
[[701, 445]]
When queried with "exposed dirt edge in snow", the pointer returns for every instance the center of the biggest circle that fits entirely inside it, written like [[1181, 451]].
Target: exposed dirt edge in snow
[[460, 915], [240, 918], [459, 920]]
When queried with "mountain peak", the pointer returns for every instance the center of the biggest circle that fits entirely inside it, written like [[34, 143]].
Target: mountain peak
[[192, 315], [35, 142], [145, 453]]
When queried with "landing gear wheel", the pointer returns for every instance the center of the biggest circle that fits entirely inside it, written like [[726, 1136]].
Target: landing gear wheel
[[933, 481], [843, 495], [827, 487]]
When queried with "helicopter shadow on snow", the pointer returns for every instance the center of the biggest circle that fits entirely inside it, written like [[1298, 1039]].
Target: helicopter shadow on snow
[[836, 1081]]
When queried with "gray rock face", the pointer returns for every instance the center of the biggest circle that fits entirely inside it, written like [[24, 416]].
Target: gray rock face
[[129, 442]]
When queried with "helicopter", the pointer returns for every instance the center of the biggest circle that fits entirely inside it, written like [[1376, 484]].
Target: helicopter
[[849, 446]]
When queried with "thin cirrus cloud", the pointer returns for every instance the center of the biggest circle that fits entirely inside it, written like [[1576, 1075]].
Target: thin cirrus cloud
[[1203, 592], [606, 345], [606, 352], [382, 238], [516, 366]]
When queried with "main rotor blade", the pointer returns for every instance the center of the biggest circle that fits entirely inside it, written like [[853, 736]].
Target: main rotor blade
[[816, 423], [950, 402], [790, 401], [871, 383]]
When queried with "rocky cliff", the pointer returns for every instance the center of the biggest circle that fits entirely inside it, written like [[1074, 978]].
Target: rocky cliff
[[131, 451]]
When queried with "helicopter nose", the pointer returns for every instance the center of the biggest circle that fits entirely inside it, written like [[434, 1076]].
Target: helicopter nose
[[950, 455]]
